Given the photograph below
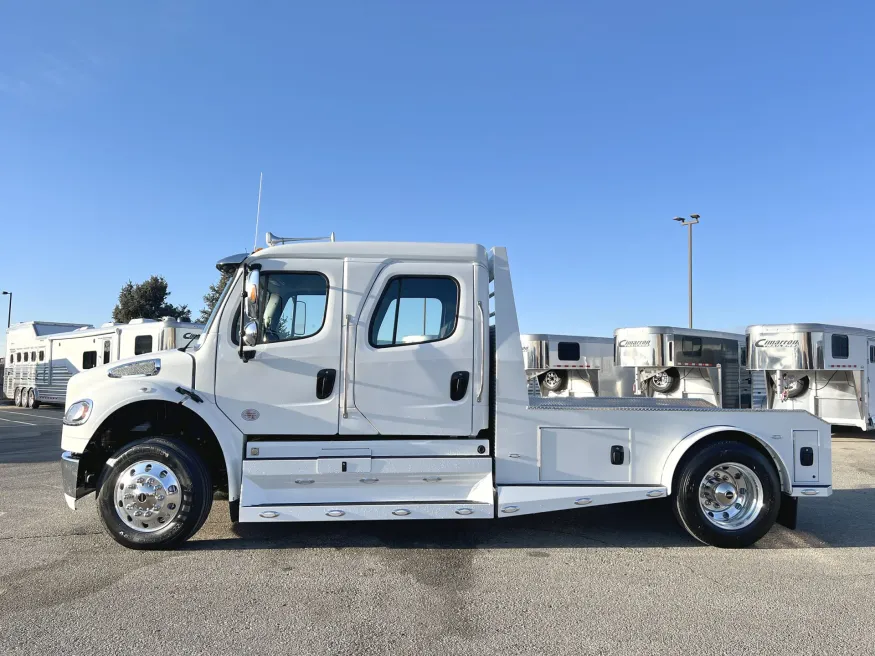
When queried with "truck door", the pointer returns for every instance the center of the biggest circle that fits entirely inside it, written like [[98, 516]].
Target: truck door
[[413, 368], [870, 389], [289, 386]]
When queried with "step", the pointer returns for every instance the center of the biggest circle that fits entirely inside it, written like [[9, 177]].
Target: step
[[367, 512]]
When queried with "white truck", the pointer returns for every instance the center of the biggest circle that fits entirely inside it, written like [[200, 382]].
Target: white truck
[[42, 358], [364, 381]]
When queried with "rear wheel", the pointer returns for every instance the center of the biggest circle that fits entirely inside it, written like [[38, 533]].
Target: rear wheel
[[30, 398], [156, 494], [665, 382], [555, 381], [16, 399], [728, 495], [795, 386]]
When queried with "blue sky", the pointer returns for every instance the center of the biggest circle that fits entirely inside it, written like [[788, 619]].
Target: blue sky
[[132, 136]]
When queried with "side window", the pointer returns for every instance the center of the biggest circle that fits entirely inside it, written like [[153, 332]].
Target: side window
[[107, 345], [142, 344], [18, 357], [840, 347], [691, 347], [872, 354], [569, 351], [415, 310], [42, 356], [33, 356], [25, 356], [292, 306], [89, 359]]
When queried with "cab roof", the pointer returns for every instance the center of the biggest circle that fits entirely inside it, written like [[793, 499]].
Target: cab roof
[[376, 249]]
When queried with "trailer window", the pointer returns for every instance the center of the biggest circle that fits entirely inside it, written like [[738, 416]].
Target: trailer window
[[89, 359], [18, 357], [42, 356], [25, 356], [415, 310], [569, 351], [840, 347], [691, 347], [872, 354], [142, 344]]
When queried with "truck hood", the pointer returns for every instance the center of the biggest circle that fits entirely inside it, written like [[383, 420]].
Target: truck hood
[[173, 367]]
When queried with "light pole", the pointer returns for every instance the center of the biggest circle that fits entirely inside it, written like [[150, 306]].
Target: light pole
[[9, 314], [690, 224]]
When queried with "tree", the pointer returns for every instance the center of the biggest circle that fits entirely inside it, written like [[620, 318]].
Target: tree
[[212, 296], [147, 300]]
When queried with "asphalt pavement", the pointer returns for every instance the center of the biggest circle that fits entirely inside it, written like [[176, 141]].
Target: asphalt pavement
[[608, 580]]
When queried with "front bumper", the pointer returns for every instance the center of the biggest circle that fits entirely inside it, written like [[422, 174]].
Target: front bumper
[[71, 479]]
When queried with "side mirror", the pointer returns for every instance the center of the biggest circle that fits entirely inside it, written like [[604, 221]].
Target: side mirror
[[250, 333], [252, 294]]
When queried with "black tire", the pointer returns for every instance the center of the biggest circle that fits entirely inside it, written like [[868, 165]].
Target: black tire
[[195, 490], [667, 383], [801, 387], [30, 398], [689, 512], [554, 381]]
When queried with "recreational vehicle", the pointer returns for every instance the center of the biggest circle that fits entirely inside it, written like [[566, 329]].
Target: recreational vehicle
[[816, 367], [686, 363], [41, 361], [371, 411], [573, 366]]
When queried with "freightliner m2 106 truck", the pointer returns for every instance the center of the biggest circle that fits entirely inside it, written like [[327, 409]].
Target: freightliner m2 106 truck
[[368, 381]]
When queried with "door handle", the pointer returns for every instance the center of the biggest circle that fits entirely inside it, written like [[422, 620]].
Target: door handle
[[618, 454], [325, 383], [459, 385]]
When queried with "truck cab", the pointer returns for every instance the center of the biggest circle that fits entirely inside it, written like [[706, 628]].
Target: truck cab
[[340, 381]]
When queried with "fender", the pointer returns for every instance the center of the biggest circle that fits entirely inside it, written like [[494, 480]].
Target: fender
[[671, 463], [119, 393]]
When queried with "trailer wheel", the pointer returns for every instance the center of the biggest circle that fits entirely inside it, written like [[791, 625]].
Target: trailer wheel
[[665, 382], [555, 381], [28, 398], [154, 494], [16, 399], [728, 495], [796, 386]]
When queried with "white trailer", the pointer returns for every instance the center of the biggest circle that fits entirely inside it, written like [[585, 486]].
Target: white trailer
[[42, 360], [574, 366], [396, 399], [673, 362], [824, 369]]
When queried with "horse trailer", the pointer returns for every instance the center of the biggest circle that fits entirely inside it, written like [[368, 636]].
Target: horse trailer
[[573, 366], [820, 368], [673, 362], [40, 361]]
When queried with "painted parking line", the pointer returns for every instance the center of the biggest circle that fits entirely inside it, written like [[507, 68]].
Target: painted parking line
[[29, 415], [12, 421]]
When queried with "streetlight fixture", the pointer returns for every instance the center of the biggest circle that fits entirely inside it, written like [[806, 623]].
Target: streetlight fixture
[[9, 314], [694, 219]]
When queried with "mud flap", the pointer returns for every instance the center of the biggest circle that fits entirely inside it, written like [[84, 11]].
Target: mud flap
[[788, 512]]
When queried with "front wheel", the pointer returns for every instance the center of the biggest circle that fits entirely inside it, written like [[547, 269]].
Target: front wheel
[[155, 494], [728, 495]]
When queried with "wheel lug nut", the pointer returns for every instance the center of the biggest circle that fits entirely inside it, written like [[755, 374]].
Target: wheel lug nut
[[141, 480]]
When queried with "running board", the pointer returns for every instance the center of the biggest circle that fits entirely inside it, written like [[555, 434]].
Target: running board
[[529, 499], [367, 512]]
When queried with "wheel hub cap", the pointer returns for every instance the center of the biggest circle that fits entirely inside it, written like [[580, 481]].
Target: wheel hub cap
[[731, 496], [147, 496]]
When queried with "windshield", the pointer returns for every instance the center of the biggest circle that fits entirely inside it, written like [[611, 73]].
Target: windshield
[[214, 313]]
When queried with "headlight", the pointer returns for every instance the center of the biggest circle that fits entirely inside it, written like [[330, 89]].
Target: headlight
[[78, 413]]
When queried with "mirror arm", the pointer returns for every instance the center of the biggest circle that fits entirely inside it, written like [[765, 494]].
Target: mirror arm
[[242, 315]]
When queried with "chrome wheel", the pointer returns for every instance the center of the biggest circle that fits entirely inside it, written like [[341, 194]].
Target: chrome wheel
[[662, 379], [30, 398], [17, 398], [147, 496], [731, 496], [552, 379]]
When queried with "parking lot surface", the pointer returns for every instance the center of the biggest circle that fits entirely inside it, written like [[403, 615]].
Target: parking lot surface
[[610, 580]]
